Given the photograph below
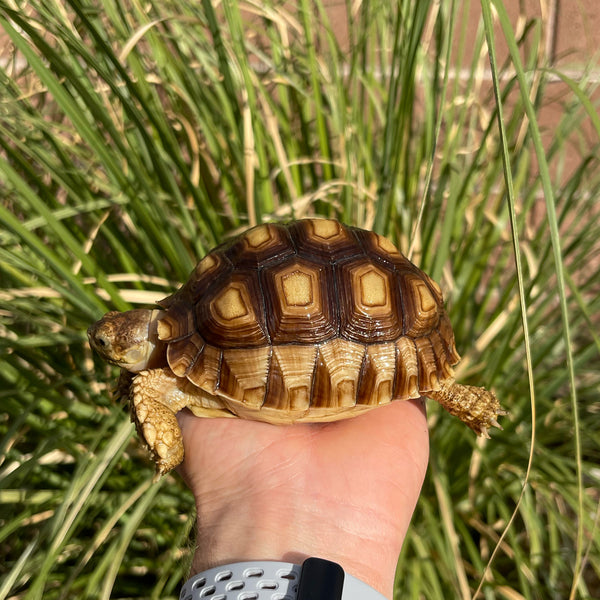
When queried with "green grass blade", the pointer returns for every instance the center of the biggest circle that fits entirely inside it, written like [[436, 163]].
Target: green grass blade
[[489, 29], [558, 264]]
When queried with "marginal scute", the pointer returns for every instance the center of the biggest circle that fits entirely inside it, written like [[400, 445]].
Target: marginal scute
[[183, 353], [177, 323], [290, 378], [204, 372], [377, 378], [447, 335], [442, 357], [428, 371], [244, 374], [336, 376], [406, 384]]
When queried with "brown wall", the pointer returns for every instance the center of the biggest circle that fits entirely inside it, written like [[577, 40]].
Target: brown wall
[[573, 26], [572, 39], [571, 30]]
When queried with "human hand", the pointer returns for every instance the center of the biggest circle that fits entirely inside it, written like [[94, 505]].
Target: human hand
[[343, 491]]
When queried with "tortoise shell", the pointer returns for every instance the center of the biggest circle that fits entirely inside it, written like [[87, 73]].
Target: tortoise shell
[[307, 320]]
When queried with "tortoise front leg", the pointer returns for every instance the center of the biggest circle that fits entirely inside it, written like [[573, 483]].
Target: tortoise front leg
[[155, 397]]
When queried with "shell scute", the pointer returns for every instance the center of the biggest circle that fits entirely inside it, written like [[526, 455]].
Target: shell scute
[[260, 246], [243, 375], [368, 299], [447, 334], [290, 378], [212, 268], [376, 385], [427, 366], [182, 354], [178, 323], [323, 240], [379, 247], [421, 312], [301, 305], [442, 358], [204, 372], [406, 383], [233, 314], [337, 372]]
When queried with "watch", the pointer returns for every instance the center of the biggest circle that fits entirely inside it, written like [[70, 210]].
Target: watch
[[315, 579]]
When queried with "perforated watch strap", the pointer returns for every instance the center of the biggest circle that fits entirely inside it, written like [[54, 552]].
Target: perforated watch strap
[[316, 579]]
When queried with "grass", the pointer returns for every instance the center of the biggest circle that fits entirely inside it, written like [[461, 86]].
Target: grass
[[136, 136]]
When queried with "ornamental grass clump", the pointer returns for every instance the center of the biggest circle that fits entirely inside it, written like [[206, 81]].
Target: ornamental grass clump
[[135, 136]]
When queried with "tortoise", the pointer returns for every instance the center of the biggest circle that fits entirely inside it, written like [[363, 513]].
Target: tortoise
[[309, 321]]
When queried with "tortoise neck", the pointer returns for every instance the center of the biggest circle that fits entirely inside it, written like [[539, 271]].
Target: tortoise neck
[[157, 356]]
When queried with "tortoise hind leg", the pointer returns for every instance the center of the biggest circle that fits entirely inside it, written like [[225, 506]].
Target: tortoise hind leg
[[474, 406]]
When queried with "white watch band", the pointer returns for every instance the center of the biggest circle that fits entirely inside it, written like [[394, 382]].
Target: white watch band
[[316, 579]]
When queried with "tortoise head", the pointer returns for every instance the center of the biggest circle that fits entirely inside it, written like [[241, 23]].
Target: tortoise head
[[128, 339]]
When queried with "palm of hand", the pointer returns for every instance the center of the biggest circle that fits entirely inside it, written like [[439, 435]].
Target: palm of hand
[[342, 491]]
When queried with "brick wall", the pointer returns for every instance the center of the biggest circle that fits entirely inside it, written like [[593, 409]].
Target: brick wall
[[572, 39], [573, 26], [571, 43]]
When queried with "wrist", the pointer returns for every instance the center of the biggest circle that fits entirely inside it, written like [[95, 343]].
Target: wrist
[[274, 528], [314, 579]]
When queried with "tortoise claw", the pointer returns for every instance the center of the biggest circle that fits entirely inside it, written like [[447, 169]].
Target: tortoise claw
[[494, 423]]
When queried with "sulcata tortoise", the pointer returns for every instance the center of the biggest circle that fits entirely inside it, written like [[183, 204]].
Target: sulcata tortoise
[[310, 321]]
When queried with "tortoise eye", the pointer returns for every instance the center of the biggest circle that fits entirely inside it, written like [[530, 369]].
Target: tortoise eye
[[101, 341]]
